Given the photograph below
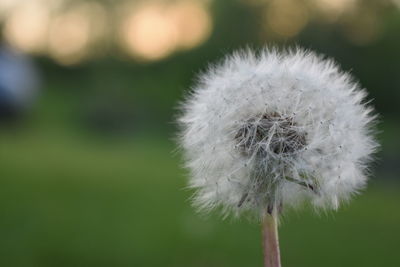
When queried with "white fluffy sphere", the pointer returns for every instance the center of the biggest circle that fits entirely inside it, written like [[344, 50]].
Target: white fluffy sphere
[[264, 130]]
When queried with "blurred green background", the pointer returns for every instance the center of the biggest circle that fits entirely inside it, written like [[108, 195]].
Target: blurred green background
[[89, 172]]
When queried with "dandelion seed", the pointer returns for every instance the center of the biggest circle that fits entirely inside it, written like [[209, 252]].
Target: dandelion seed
[[279, 123]]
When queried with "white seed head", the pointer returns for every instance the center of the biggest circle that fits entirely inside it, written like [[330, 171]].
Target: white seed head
[[261, 131]]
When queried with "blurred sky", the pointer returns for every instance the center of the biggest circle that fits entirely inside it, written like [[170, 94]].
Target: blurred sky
[[73, 31]]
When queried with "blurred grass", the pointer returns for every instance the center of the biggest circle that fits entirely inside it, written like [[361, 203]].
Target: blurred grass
[[76, 200]]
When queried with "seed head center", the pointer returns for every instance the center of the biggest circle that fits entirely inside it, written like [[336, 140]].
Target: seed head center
[[270, 133]]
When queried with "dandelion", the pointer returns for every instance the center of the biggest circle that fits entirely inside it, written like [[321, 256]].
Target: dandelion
[[264, 131]]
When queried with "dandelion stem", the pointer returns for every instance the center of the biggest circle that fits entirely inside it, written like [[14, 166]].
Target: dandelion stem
[[270, 240]]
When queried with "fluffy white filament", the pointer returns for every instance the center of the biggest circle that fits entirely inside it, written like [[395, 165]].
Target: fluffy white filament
[[264, 130]]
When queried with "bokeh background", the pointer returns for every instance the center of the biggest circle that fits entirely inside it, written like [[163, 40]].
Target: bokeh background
[[89, 172]]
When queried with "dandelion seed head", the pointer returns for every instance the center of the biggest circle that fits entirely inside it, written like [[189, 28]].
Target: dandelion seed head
[[271, 129]]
